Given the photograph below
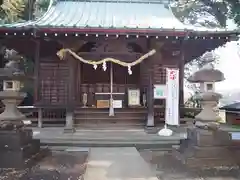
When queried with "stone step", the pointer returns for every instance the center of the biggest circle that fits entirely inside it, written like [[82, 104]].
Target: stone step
[[116, 139], [163, 146]]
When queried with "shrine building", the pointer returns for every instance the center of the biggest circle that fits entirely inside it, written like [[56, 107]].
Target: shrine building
[[87, 53]]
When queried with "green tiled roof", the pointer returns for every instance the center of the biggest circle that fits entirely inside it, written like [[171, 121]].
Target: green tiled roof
[[118, 14], [109, 14]]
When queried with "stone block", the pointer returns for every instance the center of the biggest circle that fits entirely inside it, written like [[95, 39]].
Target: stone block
[[206, 149], [209, 162], [69, 130], [18, 149], [205, 152], [35, 145], [201, 137], [17, 158], [14, 139]]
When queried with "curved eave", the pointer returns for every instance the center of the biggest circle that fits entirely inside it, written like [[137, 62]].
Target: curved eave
[[33, 30]]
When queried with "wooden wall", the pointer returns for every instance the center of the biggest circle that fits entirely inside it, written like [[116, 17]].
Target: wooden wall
[[54, 74]]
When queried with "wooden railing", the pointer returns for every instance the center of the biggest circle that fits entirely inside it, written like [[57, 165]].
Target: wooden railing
[[38, 116]]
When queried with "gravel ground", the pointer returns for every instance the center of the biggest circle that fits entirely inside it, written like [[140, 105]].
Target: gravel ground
[[168, 168], [61, 165]]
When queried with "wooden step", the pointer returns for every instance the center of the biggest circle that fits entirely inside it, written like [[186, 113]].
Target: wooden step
[[99, 121], [107, 111], [92, 117], [95, 110], [103, 126], [106, 116]]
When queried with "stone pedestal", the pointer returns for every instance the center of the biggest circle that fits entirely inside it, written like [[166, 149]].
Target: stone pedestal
[[69, 123], [208, 117], [206, 149], [18, 149], [10, 100]]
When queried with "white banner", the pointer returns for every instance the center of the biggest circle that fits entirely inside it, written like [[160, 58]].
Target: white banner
[[172, 100]]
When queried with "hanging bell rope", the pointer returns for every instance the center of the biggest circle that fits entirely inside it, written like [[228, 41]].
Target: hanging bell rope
[[103, 61]]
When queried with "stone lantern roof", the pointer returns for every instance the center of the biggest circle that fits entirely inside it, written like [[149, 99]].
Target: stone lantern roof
[[207, 75], [11, 70]]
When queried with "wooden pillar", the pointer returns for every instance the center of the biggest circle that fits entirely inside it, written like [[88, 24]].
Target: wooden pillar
[[151, 66], [71, 96], [181, 76], [36, 81], [181, 84], [36, 71], [150, 104]]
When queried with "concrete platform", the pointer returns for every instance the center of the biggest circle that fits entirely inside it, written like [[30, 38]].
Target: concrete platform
[[107, 138], [117, 164]]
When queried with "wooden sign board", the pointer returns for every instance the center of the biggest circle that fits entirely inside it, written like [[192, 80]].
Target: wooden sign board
[[134, 97], [102, 103]]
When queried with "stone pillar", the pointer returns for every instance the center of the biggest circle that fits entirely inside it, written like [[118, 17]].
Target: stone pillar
[[69, 122], [40, 119]]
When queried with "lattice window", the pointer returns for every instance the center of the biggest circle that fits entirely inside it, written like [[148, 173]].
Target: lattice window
[[53, 79], [159, 75]]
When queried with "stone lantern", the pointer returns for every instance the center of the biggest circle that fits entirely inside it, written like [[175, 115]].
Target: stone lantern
[[17, 148], [11, 96], [207, 77], [207, 146]]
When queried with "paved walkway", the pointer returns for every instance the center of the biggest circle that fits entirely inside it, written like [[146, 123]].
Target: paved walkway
[[117, 164]]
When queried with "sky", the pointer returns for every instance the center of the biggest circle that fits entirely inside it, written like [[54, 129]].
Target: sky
[[229, 64]]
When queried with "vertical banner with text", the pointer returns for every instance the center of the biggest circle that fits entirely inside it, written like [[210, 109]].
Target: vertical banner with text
[[172, 100]]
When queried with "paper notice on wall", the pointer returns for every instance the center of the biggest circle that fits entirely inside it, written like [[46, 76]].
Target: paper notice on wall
[[159, 91], [172, 99]]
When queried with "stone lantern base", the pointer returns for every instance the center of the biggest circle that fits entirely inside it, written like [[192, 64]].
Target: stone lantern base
[[206, 149], [208, 116], [11, 114], [17, 147]]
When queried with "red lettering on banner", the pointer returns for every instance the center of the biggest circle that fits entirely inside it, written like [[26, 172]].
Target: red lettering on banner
[[172, 75]]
